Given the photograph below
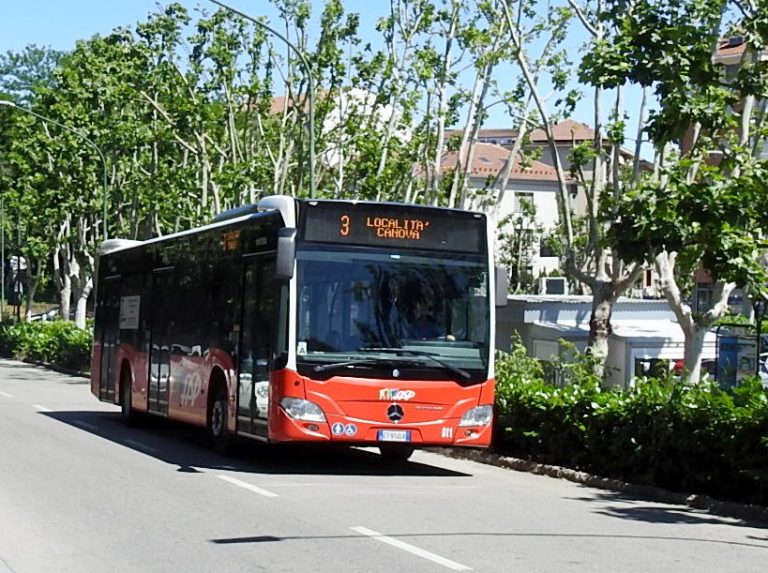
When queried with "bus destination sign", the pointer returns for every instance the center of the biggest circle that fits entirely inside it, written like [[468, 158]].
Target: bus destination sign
[[401, 226]]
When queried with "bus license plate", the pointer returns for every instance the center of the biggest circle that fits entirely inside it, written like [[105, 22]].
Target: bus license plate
[[394, 436]]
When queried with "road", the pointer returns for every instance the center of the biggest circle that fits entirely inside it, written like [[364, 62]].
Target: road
[[80, 492]]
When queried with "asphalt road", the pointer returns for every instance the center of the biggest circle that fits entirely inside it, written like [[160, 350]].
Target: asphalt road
[[80, 492]]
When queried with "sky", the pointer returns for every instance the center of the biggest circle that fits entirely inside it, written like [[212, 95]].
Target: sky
[[60, 23]]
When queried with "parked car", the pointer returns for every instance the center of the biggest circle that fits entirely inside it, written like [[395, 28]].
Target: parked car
[[52, 314], [49, 314]]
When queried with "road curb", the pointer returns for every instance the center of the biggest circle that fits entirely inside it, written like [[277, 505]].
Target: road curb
[[694, 501], [59, 369]]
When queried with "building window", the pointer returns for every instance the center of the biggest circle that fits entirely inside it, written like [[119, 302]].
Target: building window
[[545, 248], [523, 200]]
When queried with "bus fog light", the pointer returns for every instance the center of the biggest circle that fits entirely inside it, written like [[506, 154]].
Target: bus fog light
[[313, 427], [480, 416], [304, 410]]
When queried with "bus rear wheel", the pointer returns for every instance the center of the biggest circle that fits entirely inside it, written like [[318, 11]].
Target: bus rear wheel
[[217, 425], [127, 413], [396, 452]]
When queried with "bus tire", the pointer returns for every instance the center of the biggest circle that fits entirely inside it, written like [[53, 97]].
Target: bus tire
[[217, 421], [127, 413], [397, 453]]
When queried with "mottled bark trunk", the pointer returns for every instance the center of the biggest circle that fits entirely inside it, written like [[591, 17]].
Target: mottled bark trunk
[[603, 299], [34, 277], [694, 348], [82, 300], [62, 279], [694, 328]]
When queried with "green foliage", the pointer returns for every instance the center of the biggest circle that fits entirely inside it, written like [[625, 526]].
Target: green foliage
[[57, 342], [693, 438], [518, 237]]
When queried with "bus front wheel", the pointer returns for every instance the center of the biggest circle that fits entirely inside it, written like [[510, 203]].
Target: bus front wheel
[[217, 425], [396, 452]]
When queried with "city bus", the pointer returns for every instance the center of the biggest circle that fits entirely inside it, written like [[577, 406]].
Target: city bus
[[295, 321]]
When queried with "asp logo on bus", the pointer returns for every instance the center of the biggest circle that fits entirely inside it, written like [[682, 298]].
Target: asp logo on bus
[[395, 394]]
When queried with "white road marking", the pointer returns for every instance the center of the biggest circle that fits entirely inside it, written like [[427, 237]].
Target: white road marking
[[6, 394], [247, 486], [85, 425], [140, 446], [42, 408], [411, 549]]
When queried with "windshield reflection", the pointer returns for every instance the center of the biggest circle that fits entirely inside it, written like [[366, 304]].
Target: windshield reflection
[[351, 303]]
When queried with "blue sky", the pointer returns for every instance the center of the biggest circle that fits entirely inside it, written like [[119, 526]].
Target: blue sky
[[60, 23]]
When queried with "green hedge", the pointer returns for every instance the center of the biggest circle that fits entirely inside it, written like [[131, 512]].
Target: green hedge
[[57, 342], [688, 438]]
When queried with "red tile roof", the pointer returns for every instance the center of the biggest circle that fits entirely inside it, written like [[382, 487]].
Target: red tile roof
[[565, 131], [488, 160], [725, 50]]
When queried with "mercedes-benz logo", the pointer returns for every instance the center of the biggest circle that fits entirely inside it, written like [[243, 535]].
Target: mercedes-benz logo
[[395, 412]]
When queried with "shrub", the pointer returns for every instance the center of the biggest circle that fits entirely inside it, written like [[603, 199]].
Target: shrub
[[56, 342], [696, 438]]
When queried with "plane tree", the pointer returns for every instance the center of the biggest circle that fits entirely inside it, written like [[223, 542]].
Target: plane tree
[[703, 207]]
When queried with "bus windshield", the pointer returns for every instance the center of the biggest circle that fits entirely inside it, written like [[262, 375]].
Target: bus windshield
[[357, 305]]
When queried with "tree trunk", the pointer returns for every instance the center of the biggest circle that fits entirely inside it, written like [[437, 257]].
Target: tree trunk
[[603, 299], [82, 300], [694, 348], [694, 329]]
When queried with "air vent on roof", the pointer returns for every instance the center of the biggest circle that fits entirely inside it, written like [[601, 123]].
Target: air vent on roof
[[236, 212]]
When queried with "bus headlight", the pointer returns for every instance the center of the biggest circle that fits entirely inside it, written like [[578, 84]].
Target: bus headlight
[[480, 416], [305, 410]]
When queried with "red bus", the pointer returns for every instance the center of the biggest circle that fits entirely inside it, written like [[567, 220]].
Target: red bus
[[306, 321]]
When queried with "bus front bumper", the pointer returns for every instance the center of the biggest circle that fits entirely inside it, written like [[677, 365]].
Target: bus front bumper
[[342, 430]]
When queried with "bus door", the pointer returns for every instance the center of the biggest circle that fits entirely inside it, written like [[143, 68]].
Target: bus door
[[110, 334], [161, 332], [257, 332]]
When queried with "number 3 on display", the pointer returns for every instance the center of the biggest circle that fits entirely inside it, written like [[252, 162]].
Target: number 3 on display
[[344, 231]]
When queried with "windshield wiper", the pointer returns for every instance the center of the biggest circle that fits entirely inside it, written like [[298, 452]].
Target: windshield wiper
[[405, 352], [366, 362]]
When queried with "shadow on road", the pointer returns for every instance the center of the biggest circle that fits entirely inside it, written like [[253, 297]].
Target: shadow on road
[[489, 534], [617, 504], [187, 447]]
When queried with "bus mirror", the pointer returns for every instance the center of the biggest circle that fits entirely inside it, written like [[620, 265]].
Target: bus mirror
[[286, 253], [502, 286]]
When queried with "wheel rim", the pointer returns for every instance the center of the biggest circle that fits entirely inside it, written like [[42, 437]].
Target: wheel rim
[[217, 418]]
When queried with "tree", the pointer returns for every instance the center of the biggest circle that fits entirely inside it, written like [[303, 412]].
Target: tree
[[591, 262], [518, 235], [704, 206]]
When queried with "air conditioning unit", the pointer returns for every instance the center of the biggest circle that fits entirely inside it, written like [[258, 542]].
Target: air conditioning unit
[[553, 285]]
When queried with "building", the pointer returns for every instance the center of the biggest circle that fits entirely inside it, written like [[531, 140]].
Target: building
[[646, 339], [534, 182]]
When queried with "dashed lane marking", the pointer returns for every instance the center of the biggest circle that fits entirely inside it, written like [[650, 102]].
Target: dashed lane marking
[[247, 486], [40, 408], [6, 394], [424, 554]]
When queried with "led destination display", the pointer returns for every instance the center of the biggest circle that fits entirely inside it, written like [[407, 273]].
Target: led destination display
[[400, 226]]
